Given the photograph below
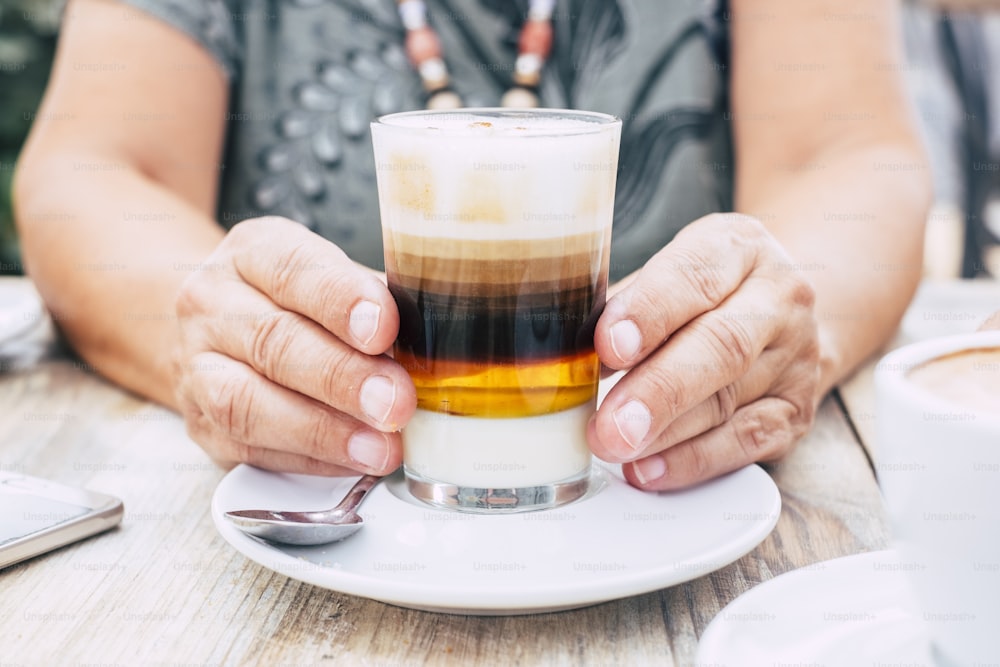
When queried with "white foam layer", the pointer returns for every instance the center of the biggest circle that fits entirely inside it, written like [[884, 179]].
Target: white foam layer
[[536, 226], [498, 453], [472, 180], [486, 122]]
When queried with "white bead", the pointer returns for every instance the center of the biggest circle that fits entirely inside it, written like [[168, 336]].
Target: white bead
[[541, 10], [413, 13], [519, 98], [446, 99], [528, 64], [434, 71]]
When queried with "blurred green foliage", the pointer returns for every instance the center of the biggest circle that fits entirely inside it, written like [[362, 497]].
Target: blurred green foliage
[[27, 41]]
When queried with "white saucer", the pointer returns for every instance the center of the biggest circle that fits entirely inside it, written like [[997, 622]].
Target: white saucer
[[20, 309], [856, 610], [613, 543]]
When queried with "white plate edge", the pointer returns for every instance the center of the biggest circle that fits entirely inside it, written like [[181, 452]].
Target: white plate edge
[[445, 601]]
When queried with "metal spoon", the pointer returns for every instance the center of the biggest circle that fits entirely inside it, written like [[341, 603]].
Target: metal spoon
[[308, 528]]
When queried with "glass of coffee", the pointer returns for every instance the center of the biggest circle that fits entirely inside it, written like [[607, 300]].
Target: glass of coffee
[[497, 230], [938, 462]]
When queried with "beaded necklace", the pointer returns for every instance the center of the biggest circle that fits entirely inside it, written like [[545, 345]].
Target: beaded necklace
[[423, 47]]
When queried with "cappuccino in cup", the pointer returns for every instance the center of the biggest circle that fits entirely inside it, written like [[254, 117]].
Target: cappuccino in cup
[[938, 463]]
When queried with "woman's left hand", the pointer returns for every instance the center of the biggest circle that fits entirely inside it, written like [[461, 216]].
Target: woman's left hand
[[719, 336]]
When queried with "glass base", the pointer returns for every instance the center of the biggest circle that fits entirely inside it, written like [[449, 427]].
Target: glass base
[[497, 500]]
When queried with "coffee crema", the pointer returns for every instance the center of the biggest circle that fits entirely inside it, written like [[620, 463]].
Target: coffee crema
[[970, 379]]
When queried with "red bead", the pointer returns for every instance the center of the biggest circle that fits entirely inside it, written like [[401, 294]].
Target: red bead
[[422, 44], [536, 37]]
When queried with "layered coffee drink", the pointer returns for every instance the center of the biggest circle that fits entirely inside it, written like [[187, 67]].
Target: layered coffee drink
[[496, 227]]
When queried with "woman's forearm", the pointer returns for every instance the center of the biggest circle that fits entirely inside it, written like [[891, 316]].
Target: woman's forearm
[[853, 222], [108, 249]]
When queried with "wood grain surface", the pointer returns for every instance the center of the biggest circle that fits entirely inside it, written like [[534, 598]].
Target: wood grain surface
[[165, 589]]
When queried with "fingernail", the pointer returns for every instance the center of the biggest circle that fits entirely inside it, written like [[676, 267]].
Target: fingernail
[[625, 340], [368, 449], [364, 319], [633, 421], [650, 469], [378, 394]]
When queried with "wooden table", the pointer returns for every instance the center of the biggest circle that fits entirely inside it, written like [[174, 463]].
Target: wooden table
[[165, 589]]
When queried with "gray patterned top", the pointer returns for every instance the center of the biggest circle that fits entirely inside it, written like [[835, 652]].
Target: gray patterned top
[[307, 76]]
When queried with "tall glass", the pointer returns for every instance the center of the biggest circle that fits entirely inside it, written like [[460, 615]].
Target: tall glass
[[497, 231]]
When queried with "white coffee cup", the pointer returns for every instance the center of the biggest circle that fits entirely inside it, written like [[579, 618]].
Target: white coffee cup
[[938, 463]]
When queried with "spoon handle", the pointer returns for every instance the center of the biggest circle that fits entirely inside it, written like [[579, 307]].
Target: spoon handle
[[357, 494]]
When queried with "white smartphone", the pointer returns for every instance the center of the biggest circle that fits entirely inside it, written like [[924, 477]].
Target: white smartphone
[[37, 515]]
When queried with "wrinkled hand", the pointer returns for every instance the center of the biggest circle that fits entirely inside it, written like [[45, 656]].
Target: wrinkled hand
[[720, 338], [281, 363]]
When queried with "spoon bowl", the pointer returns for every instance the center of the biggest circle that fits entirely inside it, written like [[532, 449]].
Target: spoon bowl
[[307, 528]]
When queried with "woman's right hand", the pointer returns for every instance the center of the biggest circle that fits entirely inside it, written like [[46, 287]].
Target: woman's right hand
[[281, 359]]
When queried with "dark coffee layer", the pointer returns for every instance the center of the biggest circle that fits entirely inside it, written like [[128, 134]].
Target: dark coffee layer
[[506, 329]]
